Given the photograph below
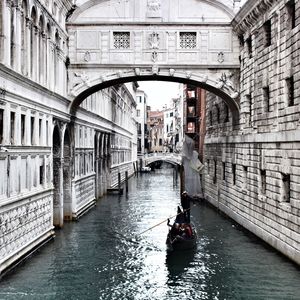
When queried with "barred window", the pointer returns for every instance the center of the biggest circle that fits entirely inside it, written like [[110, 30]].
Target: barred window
[[188, 40], [121, 40]]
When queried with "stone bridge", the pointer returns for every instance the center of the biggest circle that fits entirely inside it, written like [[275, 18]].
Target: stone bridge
[[172, 158]]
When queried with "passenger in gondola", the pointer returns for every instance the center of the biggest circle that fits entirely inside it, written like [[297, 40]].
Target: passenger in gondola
[[174, 228], [188, 230]]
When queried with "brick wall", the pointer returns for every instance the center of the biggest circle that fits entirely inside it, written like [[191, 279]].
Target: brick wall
[[253, 170]]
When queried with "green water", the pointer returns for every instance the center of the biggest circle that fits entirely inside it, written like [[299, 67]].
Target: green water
[[103, 256]]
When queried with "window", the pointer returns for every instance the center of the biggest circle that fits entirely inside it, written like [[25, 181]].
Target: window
[[191, 94], [42, 175], [226, 112], [12, 127], [263, 181], [40, 130], [139, 98], [121, 40], [266, 96], [215, 172], [47, 136], [23, 118], [191, 127], [138, 113], [210, 118], [290, 90], [245, 177], [234, 174], [267, 31], [224, 170], [249, 103], [286, 189], [291, 14], [1, 125], [32, 129], [249, 46], [191, 111], [171, 114], [188, 40]]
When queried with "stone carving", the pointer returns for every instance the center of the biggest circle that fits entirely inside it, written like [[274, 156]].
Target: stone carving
[[154, 56], [80, 78], [23, 224], [225, 80], [155, 70], [154, 40], [154, 5], [87, 56], [153, 9], [137, 71], [220, 57], [188, 74], [172, 72]]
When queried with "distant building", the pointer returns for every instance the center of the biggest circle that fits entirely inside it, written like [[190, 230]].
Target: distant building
[[141, 118], [156, 131], [194, 116]]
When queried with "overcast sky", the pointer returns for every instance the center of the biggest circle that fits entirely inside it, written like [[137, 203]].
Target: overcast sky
[[159, 92]]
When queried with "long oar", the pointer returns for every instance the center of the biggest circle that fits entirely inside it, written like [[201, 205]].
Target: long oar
[[163, 221]]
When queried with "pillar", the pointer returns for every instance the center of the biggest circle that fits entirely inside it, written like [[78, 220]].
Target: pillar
[[6, 32]]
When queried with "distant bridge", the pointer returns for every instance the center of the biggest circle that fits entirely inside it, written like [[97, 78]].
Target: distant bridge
[[172, 158]]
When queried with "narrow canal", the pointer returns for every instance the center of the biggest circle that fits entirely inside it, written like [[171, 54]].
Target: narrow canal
[[103, 256]]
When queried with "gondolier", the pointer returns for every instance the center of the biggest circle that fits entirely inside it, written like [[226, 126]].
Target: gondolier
[[186, 205]]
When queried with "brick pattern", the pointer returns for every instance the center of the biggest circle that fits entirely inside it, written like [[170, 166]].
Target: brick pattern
[[264, 148]]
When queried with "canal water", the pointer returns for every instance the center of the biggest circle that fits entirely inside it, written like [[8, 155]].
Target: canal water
[[104, 255]]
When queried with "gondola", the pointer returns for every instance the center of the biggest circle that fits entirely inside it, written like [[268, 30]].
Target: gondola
[[181, 236]]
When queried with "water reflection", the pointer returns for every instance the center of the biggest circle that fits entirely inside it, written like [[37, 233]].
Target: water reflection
[[178, 262]]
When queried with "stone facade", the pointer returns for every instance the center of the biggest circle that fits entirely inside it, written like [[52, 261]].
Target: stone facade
[[252, 169], [53, 166]]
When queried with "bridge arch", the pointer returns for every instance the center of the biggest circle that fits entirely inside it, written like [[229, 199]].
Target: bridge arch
[[171, 158], [221, 87]]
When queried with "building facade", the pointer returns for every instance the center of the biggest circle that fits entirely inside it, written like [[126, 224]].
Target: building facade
[[252, 170], [156, 131], [53, 166]]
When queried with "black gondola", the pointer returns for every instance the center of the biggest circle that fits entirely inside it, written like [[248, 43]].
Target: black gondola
[[181, 236]]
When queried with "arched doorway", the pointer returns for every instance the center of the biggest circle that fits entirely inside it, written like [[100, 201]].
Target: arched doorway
[[57, 177]]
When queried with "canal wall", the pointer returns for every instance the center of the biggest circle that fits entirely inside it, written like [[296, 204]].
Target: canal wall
[[252, 169]]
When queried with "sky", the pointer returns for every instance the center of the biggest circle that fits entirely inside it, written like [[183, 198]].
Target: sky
[[159, 92]]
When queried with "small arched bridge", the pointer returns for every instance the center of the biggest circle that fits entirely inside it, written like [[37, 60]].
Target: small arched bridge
[[172, 158]]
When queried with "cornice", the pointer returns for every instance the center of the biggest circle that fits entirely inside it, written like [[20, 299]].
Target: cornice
[[249, 14]]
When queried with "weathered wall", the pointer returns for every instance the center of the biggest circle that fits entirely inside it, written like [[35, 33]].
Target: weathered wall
[[264, 150]]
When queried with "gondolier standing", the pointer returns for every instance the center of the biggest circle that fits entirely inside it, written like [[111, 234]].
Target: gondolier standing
[[186, 205]]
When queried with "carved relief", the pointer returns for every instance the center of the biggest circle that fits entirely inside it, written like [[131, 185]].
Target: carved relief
[[153, 9], [154, 40], [153, 5], [21, 225]]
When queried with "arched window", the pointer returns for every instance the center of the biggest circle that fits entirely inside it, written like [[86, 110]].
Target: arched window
[[33, 44], [48, 55], [24, 46], [41, 60], [56, 61], [12, 36]]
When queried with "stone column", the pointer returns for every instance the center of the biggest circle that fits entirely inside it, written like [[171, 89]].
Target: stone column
[[18, 40], [6, 32], [27, 137], [27, 55], [6, 125], [18, 126], [51, 65]]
